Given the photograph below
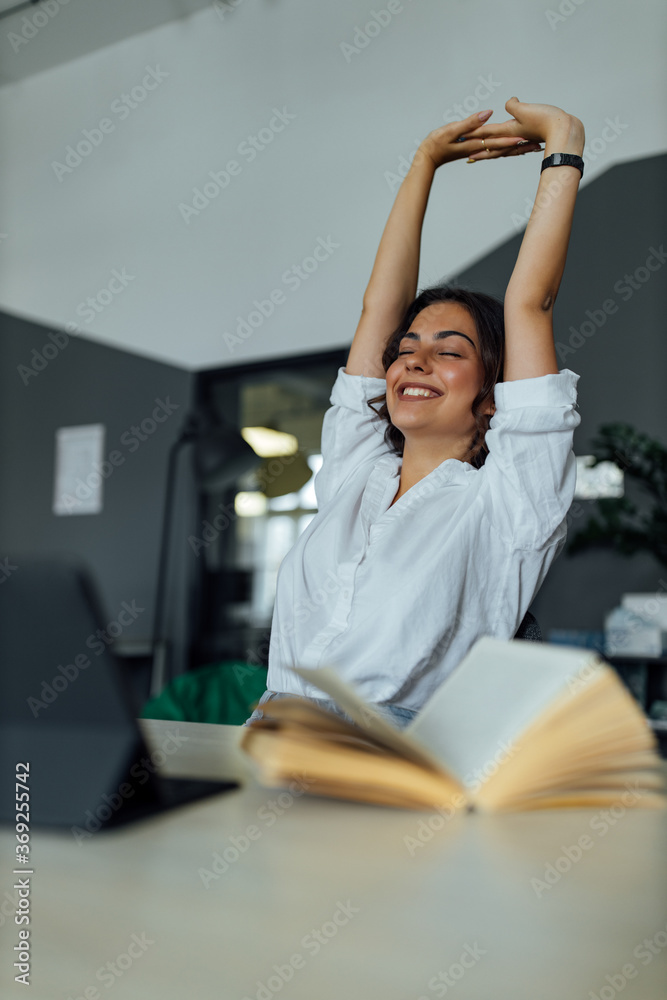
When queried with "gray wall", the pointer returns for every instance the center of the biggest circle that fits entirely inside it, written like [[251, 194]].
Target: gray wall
[[623, 365], [91, 383], [623, 370]]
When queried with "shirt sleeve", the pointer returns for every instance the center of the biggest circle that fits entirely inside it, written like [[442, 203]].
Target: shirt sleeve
[[530, 468], [352, 434]]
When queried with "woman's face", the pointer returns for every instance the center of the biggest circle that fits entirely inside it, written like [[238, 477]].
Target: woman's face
[[439, 353]]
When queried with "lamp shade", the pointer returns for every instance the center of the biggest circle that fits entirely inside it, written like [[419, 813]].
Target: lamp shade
[[279, 476]]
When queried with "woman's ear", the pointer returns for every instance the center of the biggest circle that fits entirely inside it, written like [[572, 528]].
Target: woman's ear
[[488, 406]]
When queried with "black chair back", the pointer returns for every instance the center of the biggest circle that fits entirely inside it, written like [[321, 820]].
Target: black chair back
[[529, 629]]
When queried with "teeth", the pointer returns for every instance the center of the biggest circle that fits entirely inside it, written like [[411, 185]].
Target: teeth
[[414, 391]]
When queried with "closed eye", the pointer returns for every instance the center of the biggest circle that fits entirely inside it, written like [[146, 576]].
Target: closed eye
[[451, 354]]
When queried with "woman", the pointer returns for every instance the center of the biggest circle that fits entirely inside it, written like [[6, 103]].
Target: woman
[[439, 516]]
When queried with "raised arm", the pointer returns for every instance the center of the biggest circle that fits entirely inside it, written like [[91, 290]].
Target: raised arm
[[393, 282], [537, 274]]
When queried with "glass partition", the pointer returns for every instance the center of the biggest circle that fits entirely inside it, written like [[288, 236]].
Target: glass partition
[[246, 530]]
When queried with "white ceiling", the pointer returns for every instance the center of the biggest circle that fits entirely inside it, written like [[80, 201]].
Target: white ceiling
[[357, 111], [75, 28]]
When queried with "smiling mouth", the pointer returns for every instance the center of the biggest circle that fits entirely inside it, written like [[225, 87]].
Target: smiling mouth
[[417, 392]]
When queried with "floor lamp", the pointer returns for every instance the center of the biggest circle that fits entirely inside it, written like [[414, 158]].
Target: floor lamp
[[221, 456]]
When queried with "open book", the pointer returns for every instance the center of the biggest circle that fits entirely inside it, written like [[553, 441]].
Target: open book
[[518, 725]]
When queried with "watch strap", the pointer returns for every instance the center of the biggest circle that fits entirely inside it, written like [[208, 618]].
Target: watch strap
[[563, 160]]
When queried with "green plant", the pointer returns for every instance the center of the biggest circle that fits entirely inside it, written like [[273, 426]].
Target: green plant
[[618, 523]]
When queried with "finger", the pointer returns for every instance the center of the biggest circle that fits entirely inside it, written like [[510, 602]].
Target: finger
[[510, 127], [493, 154], [487, 142], [515, 151], [472, 122], [481, 145], [520, 150]]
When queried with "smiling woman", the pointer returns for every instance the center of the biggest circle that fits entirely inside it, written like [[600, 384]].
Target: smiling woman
[[440, 514], [462, 335]]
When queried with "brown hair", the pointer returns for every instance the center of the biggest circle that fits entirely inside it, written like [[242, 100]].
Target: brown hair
[[488, 316]]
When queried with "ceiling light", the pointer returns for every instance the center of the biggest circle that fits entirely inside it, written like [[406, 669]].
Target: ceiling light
[[269, 443]]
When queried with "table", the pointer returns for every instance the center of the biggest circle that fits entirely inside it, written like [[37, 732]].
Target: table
[[261, 893]]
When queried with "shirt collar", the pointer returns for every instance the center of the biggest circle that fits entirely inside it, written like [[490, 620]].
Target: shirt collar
[[382, 484]]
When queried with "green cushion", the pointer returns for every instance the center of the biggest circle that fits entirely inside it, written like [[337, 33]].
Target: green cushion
[[223, 693]]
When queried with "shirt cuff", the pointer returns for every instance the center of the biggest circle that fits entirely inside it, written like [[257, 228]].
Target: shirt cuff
[[352, 391], [545, 390]]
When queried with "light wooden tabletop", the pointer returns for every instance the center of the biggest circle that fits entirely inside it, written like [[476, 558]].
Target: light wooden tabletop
[[261, 893]]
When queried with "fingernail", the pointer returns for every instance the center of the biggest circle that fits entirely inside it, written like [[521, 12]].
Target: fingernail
[[484, 114], [471, 160]]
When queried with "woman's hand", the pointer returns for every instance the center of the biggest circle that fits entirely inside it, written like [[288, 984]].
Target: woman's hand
[[461, 140], [536, 122]]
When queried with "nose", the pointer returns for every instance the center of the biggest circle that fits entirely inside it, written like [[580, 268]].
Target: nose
[[417, 361]]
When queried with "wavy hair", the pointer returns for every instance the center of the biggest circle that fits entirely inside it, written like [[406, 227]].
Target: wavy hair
[[488, 316]]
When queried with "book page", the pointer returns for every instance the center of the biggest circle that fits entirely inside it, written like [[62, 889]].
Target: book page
[[366, 717], [474, 721]]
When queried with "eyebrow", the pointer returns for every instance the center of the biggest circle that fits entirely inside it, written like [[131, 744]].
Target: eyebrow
[[441, 336]]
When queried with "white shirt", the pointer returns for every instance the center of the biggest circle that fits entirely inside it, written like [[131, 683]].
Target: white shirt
[[394, 597]]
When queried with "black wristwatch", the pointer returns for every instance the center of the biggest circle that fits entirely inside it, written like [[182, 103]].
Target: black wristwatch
[[563, 160]]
